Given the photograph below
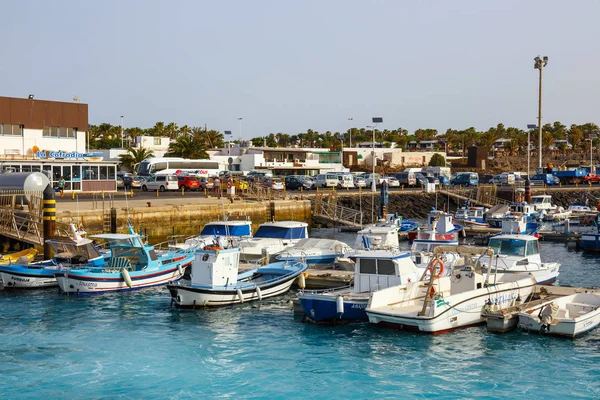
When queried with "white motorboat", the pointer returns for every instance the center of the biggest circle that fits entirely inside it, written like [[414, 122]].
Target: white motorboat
[[215, 280], [568, 316], [447, 302], [579, 209], [519, 254], [557, 215], [272, 238], [373, 270], [314, 251], [542, 202]]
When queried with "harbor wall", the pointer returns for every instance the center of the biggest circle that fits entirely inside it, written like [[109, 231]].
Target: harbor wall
[[160, 222]]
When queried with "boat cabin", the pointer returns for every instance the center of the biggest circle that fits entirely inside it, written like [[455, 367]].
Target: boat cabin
[[522, 208], [382, 269], [128, 252], [227, 229], [215, 268], [475, 214], [515, 245], [283, 230], [377, 237], [542, 202], [75, 252]]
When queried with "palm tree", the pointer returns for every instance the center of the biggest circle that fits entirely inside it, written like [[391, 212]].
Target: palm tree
[[135, 156], [187, 147]]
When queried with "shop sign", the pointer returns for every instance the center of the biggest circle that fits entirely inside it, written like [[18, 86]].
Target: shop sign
[[59, 154]]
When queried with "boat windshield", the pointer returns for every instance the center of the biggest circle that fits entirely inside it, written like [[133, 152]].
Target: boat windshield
[[277, 232], [70, 250], [538, 200], [225, 230], [510, 247]]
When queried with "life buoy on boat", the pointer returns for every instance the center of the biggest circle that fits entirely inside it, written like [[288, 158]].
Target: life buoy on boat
[[213, 247], [431, 267], [301, 281]]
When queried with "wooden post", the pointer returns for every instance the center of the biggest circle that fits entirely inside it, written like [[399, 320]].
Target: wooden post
[[113, 220]]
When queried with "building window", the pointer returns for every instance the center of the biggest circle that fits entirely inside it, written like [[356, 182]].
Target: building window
[[157, 141], [68, 132], [11, 130], [50, 131]]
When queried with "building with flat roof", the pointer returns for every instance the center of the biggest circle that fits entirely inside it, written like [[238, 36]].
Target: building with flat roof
[[51, 136]]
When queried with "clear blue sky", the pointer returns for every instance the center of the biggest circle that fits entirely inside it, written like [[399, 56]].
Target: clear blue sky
[[287, 66]]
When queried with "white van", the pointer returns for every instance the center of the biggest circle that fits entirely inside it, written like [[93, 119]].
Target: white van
[[161, 182], [345, 181], [327, 180]]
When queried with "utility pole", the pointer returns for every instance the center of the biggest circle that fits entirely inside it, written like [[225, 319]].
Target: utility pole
[[540, 63]]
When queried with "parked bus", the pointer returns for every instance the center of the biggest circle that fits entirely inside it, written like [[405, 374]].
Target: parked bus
[[175, 165]]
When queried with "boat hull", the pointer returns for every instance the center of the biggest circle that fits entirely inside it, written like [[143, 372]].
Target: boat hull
[[24, 277], [187, 296], [323, 309], [570, 328], [590, 242], [455, 311], [86, 282]]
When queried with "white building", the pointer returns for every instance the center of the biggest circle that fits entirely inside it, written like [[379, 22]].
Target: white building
[[50, 136]]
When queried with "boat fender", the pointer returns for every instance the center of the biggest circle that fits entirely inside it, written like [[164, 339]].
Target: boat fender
[[432, 265], [180, 269], [258, 293], [301, 281], [126, 278], [240, 295], [339, 305]]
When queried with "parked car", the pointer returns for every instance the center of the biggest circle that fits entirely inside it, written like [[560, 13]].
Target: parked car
[[406, 178], [592, 178], [359, 181], [444, 180], [465, 179], [120, 183], [421, 179], [132, 182], [345, 181], [188, 183], [161, 183], [392, 181], [433, 179], [297, 182], [273, 183]]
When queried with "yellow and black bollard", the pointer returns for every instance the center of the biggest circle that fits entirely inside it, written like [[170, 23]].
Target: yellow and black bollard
[[49, 218]]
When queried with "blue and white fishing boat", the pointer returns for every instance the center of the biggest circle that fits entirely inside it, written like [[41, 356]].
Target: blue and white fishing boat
[[382, 236], [373, 270], [132, 265], [591, 241], [314, 251], [75, 251], [272, 238], [471, 216], [519, 208], [215, 280]]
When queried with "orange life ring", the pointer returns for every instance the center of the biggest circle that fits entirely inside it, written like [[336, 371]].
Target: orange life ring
[[229, 184], [431, 267]]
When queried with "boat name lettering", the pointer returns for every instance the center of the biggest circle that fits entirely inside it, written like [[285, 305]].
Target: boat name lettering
[[588, 323], [359, 306], [14, 278], [87, 284]]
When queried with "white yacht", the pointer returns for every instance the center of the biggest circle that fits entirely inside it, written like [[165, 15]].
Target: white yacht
[[382, 236]]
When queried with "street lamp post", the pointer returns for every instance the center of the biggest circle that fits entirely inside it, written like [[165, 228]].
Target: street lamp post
[[350, 131], [529, 128], [122, 132], [228, 135], [591, 139], [376, 120], [540, 63], [240, 119]]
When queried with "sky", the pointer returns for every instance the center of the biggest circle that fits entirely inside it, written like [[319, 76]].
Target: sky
[[289, 66]]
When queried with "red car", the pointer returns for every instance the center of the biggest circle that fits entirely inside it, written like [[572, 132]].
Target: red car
[[592, 178], [188, 183]]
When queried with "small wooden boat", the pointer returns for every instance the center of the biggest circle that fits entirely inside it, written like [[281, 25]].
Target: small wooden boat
[[21, 257], [568, 316], [215, 280]]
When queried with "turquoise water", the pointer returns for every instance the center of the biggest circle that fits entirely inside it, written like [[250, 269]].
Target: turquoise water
[[133, 345]]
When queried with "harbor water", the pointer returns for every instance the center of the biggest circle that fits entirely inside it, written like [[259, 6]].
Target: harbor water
[[134, 345]]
